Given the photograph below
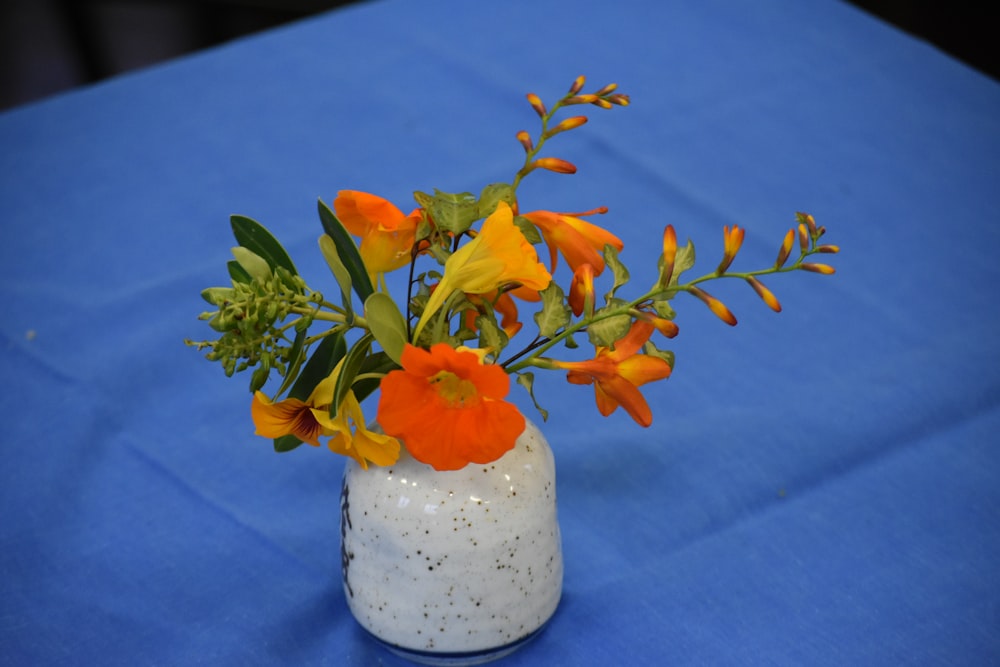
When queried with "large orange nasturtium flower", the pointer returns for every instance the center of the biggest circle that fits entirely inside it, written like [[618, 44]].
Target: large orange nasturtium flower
[[579, 241], [308, 420], [617, 374], [498, 256], [387, 236], [448, 407]]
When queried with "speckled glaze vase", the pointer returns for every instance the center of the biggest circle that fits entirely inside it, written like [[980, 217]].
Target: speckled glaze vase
[[458, 567]]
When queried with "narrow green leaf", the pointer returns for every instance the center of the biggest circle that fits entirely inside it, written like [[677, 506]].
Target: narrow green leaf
[[386, 323], [294, 361], [527, 380], [286, 443], [618, 269], [254, 237], [353, 361], [238, 273], [378, 363], [255, 265], [340, 272], [348, 252], [322, 361]]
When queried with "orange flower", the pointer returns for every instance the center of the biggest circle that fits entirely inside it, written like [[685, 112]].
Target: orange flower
[[581, 290], [579, 241], [504, 305], [498, 256], [288, 417], [448, 407], [387, 236], [617, 374]]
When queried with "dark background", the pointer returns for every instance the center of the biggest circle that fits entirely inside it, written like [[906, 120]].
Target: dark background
[[54, 45]]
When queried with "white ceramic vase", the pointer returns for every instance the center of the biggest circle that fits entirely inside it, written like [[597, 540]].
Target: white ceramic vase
[[456, 567]]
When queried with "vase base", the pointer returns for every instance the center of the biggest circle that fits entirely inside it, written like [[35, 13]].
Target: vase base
[[459, 659]]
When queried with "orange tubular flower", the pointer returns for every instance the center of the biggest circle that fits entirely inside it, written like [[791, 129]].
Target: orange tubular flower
[[617, 374], [579, 241], [499, 256], [581, 290], [733, 241], [387, 236], [448, 407]]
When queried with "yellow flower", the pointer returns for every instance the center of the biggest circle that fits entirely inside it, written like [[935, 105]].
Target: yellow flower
[[498, 256], [387, 236], [308, 420]]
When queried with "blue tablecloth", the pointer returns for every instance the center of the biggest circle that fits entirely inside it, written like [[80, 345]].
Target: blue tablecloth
[[818, 486]]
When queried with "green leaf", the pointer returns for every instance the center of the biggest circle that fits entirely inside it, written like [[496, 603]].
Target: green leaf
[[492, 195], [386, 323], [294, 361], [654, 351], [286, 443], [664, 309], [378, 363], [528, 229], [604, 332], [340, 272], [491, 336], [218, 296], [683, 261], [353, 361], [453, 213], [253, 236], [255, 265], [617, 268], [527, 380], [238, 273], [347, 250], [555, 314], [322, 361]]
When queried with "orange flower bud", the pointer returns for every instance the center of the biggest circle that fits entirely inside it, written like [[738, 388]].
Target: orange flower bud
[[581, 290], [786, 249], [525, 140], [803, 238], [568, 124], [831, 249], [536, 104], [666, 327], [603, 103], [669, 254], [825, 269], [808, 220], [764, 294], [733, 240], [556, 165], [582, 99], [619, 99], [610, 88], [715, 306], [577, 85]]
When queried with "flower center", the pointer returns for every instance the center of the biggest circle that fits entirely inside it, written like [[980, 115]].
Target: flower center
[[455, 391]]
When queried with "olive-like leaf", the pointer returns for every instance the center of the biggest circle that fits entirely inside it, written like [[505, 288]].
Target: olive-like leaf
[[527, 380], [255, 265], [348, 252], [294, 361], [324, 358], [386, 323], [376, 364], [253, 236], [353, 361]]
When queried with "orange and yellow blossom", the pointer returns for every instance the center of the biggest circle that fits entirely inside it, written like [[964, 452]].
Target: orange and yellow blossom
[[448, 407], [498, 256], [579, 241], [308, 420], [387, 236], [617, 374]]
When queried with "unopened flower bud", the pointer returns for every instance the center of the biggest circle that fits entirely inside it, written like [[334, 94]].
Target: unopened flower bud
[[733, 240], [669, 255], [568, 124], [536, 104], [764, 294], [830, 249], [803, 238], [666, 327], [786, 249], [581, 291], [620, 99], [825, 269], [555, 164], [525, 140], [610, 88], [587, 98], [808, 220], [716, 306], [603, 103], [577, 85]]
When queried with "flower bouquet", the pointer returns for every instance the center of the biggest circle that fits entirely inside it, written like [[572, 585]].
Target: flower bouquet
[[444, 561], [442, 353]]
